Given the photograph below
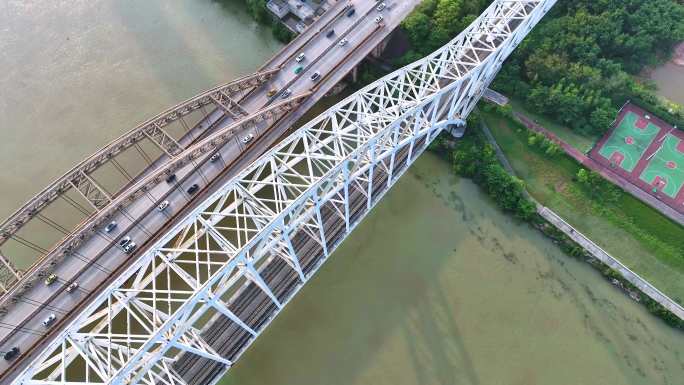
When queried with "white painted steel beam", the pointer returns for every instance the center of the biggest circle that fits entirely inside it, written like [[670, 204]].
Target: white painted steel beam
[[316, 186]]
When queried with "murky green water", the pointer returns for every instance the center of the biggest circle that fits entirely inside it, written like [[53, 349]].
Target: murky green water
[[436, 286], [76, 74], [669, 77], [670, 81]]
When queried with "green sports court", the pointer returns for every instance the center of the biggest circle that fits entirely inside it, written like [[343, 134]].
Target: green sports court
[[665, 168], [628, 141]]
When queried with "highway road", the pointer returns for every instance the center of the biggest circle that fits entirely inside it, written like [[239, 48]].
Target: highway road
[[98, 259]]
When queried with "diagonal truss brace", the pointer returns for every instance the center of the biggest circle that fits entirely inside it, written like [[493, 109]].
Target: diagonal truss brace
[[316, 185]]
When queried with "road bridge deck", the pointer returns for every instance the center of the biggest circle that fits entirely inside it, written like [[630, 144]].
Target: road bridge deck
[[147, 319], [96, 260]]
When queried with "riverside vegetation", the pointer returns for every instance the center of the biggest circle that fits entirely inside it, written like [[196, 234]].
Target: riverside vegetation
[[474, 158], [584, 55]]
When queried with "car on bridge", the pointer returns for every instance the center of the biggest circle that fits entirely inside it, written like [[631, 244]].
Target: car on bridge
[[380, 7], [315, 76], [129, 247], [50, 279], [72, 287], [330, 33], [379, 19], [286, 93], [49, 320], [124, 241], [300, 57], [214, 158], [162, 206], [10, 354], [343, 42], [271, 92], [171, 178], [248, 138], [110, 227], [192, 189], [298, 70]]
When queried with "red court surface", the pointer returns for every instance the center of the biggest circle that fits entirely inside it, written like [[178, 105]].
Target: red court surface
[[657, 163]]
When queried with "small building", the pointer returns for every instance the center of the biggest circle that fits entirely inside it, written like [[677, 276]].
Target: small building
[[296, 15]]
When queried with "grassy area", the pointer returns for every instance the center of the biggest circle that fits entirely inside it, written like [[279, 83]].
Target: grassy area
[[580, 142], [640, 237]]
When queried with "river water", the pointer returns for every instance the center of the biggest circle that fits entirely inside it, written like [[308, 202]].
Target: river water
[[76, 74], [436, 286], [669, 77]]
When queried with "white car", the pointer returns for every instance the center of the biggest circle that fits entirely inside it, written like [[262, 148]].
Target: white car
[[379, 19], [286, 93], [49, 320], [248, 138], [129, 247], [380, 7], [163, 205], [343, 42], [214, 158], [300, 57], [72, 287]]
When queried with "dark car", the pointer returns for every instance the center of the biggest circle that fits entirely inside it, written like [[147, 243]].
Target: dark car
[[193, 189], [124, 241], [171, 178], [330, 33], [11, 353], [351, 12], [110, 227]]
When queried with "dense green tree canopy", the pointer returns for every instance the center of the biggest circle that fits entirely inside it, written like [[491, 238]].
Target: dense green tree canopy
[[577, 65]]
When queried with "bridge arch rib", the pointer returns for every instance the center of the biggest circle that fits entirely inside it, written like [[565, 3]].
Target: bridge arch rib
[[290, 209], [79, 177]]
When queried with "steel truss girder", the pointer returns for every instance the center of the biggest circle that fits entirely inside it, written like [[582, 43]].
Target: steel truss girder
[[78, 176], [152, 129], [318, 184], [107, 207]]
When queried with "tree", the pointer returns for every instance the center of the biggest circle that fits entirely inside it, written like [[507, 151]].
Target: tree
[[576, 66]]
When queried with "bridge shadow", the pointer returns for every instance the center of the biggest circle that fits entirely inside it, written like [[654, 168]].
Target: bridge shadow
[[380, 298], [434, 362]]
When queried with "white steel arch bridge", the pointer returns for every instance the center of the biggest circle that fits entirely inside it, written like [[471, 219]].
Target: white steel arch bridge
[[185, 311]]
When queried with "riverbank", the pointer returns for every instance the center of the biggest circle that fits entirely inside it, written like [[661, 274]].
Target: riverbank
[[578, 245], [640, 237]]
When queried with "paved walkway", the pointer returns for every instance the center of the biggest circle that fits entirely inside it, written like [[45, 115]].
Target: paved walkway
[[613, 263], [604, 172], [596, 251]]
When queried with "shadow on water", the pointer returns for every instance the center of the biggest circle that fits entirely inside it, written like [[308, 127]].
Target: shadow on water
[[438, 358], [414, 298]]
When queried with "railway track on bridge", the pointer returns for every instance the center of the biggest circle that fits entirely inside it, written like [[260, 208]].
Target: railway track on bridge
[[302, 198], [205, 136]]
